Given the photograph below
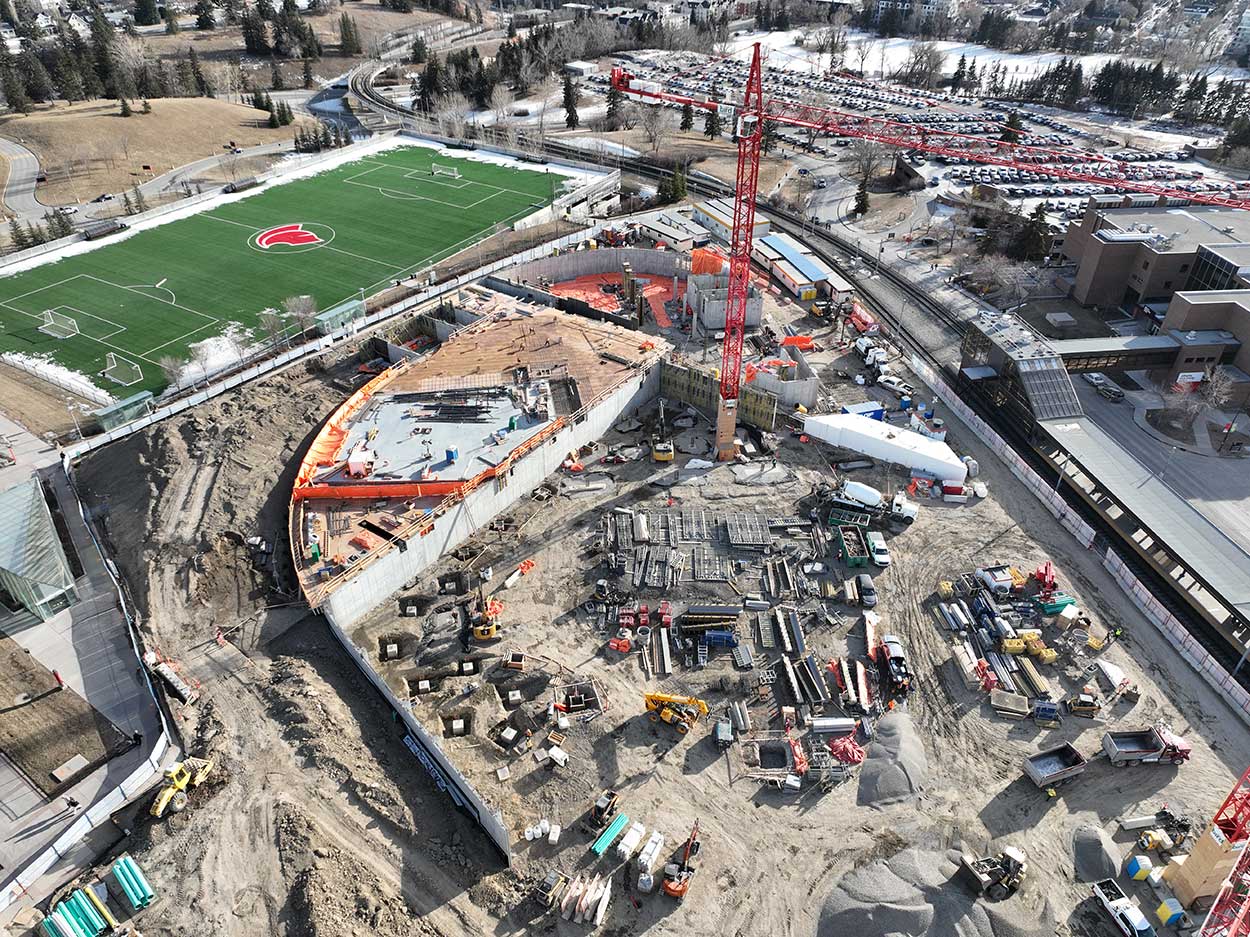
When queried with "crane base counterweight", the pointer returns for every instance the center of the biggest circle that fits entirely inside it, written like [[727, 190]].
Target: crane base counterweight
[[726, 427]]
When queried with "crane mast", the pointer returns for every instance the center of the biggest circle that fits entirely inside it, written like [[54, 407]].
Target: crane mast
[[749, 131]]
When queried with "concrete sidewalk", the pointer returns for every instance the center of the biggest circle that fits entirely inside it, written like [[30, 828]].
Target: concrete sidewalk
[[89, 646]]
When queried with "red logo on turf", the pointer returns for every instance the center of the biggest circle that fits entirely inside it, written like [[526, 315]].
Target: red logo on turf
[[291, 235]]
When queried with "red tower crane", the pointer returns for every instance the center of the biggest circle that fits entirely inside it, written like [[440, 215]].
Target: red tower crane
[[750, 132], [1230, 915]]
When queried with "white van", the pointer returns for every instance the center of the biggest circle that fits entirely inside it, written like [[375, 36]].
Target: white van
[[877, 549]]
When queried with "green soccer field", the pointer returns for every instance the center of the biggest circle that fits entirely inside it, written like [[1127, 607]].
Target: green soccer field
[[357, 227]]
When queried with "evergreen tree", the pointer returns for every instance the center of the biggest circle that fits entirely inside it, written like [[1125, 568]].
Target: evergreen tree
[[861, 198], [679, 185], [420, 51], [171, 23], [69, 80], [127, 205], [712, 124], [139, 201], [431, 85], [570, 103], [145, 13], [961, 74], [308, 74], [614, 101], [768, 136], [326, 140], [126, 109], [288, 116], [255, 33], [35, 78], [687, 117], [18, 235], [349, 37], [1014, 129], [232, 11], [274, 123], [275, 78], [265, 10], [36, 233], [258, 100], [147, 106], [205, 17], [13, 89], [973, 83]]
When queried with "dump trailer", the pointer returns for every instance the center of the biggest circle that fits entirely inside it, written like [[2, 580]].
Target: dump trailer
[[1127, 916], [854, 547], [1152, 745], [845, 516], [1055, 765]]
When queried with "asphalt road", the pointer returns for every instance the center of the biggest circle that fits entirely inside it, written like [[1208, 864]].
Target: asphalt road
[[19, 190]]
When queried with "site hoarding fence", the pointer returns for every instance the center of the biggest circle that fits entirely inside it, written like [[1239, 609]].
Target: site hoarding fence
[[1207, 667]]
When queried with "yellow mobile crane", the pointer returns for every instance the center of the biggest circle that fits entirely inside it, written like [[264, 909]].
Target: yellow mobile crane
[[681, 712]]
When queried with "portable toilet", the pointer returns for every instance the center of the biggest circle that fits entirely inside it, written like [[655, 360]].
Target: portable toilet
[[453, 453], [1170, 912], [1139, 868]]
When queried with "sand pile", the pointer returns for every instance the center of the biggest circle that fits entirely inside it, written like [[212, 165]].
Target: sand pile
[[913, 893], [896, 767], [1094, 854]]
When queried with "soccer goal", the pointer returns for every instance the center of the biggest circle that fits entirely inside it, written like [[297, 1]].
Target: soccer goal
[[58, 324], [121, 370], [437, 170]]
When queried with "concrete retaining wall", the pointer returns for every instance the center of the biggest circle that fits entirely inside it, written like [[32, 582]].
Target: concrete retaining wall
[[605, 260], [381, 579], [700, 389]]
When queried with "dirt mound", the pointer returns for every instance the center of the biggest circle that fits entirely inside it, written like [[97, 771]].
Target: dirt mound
[[896, 767], [1094, 854], [913, 893]]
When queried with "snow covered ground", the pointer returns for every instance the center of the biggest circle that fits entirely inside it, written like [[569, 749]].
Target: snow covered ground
[[889, 54]]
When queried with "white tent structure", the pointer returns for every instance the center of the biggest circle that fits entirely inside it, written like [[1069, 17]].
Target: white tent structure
[[880, 440]]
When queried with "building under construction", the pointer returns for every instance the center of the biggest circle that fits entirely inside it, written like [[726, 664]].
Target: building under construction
[[428, 451]]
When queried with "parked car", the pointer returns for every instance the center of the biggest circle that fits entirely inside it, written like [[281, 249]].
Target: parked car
[[1111, 392], [1093, 377], [896, 384], [867, 591]]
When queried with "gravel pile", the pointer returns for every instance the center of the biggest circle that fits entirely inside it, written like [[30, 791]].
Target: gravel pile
[[913, 893], [896, 767], [1095, 855]]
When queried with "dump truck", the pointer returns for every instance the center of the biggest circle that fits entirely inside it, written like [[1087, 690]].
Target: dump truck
[[854, 546], [1054, 766], [1126, 915], [1153, 745], [997, 877]]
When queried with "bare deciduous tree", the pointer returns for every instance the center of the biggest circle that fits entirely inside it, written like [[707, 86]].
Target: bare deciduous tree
[[501, 100], [271, 321], [1218, 387], [302, 310], [863, 52], [656, 124], [923, 66], [452, 113], [171, 367], [867, 157], [1184, 402]]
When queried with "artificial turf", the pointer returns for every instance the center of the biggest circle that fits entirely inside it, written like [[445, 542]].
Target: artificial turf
[[376, 220]]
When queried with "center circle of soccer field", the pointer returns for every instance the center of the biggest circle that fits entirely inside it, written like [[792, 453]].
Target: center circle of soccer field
[[275, 240]]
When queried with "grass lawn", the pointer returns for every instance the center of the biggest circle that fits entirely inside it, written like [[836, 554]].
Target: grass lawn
[[358, 226]]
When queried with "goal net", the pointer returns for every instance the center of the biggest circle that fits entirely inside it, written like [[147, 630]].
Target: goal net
[[438, 170], [121, 370], [58, 324]]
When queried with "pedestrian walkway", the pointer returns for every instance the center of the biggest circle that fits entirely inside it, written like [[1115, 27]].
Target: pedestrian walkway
[[21, 453]]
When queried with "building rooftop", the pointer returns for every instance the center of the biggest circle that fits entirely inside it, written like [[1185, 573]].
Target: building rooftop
[[29, 546], [1204, 337], [1112, 343], [1176, 230], [1194, 540], [1236, 254]]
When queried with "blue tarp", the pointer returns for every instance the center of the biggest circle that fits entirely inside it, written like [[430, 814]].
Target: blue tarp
[[807, 265]]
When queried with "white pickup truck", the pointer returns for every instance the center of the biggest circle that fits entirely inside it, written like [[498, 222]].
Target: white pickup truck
[[1127, 916]]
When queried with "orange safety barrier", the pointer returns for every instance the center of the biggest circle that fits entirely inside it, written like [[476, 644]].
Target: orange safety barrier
[[801, 342], [325, 448], [703, 260]]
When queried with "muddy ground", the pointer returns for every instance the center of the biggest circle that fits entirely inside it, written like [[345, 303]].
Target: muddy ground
[[321, 823]]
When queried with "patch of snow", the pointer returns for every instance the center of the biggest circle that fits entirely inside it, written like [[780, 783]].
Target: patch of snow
[[43, 365], [600, 145]]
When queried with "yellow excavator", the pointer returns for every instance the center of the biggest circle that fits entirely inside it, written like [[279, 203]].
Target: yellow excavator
[[681, 712], [190, 772]]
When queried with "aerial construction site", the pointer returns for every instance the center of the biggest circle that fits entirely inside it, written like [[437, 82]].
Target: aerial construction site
[[624, 572]]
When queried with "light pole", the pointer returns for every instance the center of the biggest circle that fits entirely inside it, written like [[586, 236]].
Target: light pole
[[70, 406]]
